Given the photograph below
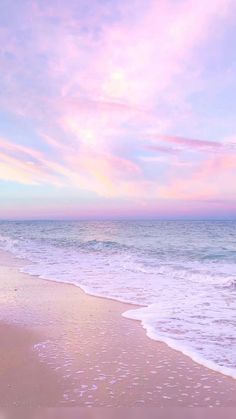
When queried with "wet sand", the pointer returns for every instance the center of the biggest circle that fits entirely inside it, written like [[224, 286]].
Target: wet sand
[[61, 347], [22, 376]]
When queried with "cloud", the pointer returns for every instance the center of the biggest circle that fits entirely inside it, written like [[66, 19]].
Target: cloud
[[189, 142], [102, 87]]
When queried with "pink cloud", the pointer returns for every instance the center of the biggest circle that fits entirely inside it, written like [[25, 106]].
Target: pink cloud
[[101, 172], [212, 179], [189, 142]]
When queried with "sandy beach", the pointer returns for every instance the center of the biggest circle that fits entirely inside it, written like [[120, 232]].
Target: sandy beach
[[61, 347]]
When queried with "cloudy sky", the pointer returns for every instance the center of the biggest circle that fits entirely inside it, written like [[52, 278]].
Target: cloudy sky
[[114, 108]]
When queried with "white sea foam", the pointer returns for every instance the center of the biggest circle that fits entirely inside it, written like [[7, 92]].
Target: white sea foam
[[181, 275], [187, 347]]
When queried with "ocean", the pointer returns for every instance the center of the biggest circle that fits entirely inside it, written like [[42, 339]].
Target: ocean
[[182, 274]]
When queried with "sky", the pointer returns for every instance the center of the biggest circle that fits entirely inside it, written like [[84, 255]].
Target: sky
[[117, 109]]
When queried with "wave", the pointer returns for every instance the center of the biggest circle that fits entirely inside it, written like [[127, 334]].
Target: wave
[[152, 333], [101, 245], [8, 244], [231, 283], [199, 274]]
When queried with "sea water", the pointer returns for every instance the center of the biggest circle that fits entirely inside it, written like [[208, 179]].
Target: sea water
[[182, 274]]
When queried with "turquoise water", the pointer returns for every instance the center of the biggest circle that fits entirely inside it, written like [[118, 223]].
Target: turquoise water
[[182, 274]]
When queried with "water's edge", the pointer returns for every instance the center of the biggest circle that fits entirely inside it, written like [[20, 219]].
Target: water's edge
[[136, 314]]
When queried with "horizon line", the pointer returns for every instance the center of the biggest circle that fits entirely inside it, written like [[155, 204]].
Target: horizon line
[[113, 219]]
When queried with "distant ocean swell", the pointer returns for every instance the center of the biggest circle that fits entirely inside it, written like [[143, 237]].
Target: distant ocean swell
[[185, 284]]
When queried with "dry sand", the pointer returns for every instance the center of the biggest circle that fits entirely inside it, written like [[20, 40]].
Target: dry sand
[[61, 347]]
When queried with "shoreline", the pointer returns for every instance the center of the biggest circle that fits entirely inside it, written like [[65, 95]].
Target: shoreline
[[93, 355], [149, 331]]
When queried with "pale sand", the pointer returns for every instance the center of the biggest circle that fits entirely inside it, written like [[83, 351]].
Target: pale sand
[[61, 347]]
